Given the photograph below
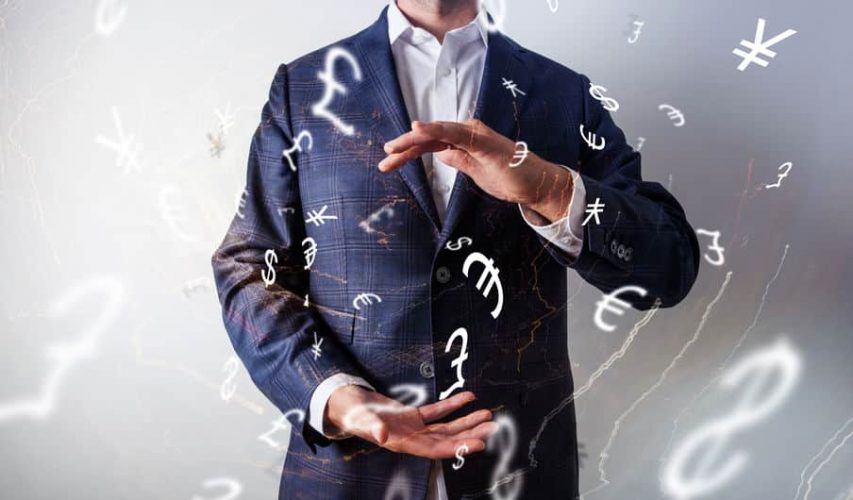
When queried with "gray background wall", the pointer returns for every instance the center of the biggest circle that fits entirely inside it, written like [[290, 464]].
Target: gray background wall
[[113, 353]]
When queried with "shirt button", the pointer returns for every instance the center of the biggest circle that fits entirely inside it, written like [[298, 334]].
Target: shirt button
[[442, 274], [427, 370]]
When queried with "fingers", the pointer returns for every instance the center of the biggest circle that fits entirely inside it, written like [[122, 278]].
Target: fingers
[[434, 411], [462, 423], [483, 431], [457, 158], [460, 135], [397, 160]]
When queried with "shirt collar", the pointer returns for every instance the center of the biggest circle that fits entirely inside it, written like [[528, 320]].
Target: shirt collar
[[398, 25]]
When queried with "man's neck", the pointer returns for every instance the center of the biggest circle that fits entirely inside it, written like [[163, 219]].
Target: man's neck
[[439, 16]]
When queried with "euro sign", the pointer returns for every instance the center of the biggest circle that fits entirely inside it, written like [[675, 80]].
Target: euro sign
[[610, 303], [674, 114], [590, 140], [268, 274], [462, 334], [489, 270], [364, 298], [327, 76]]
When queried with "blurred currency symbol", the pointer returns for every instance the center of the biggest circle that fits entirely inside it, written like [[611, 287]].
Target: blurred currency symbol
[[387, 210], [759, 47], [234, 489], [640, 142], [593, 210], [327, 76], [767, 377], [310, 252], [268, 274], [715, 246], [674, 114], [241, 203], [174, 213], [787, 166], [458, 244], [512, 87], [460, 452], [505, 485], [286, 210], [315, 349], [609, 103], [611, 303], [364, 298], [192, 286], [108, 16], [553, 5], [319, 218], [492, 272], [217, 144], [306, 301], [590, 139], [636, 34], [520, 155], [282, 424], [228, 388], [125, 147], [297, 147], [461, 334]]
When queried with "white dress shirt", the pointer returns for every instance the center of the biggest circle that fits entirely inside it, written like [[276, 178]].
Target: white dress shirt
[[440, 82]]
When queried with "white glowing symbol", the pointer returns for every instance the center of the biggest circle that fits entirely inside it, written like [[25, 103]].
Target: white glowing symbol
[[241, 203], [327, 75], [226, 119], [597, 93], [520, 155], [715, 246], [497, 22], [590, 139], [458, 244], [636, 34], [553, 5], [364, 298], [640, 142], [319, 218], [787, 166], [512, 87], [399, 487], [282, 424], [173, 213], [593, 210], [461, 334], [490, 270], [233, 487], [461, 451], [505, 485], [759, 47], [611, 303], [767, 378], [228, 388], [674, 114], [194, 285], [286, 210], [387, 210], [310, 252], [108, 17], [315, 349], [409, 396], [65, 355], [268, 274], [124, 146], [297, 147]]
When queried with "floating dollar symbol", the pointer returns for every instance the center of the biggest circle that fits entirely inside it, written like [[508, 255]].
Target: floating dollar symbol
[[787, 166], [460, 460], [327, 75], [234, 488], [462, 334], [269, 277], [458, 244], [609, 302], [609, 103], [364, 298], [520, 155], [310, 252], [505, 486], [767, 378], [226, 392], [590, 140], [674, 114], [715, 246]]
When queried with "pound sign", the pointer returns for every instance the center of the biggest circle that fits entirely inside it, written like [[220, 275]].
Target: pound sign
[[462, 334], [327, 75]]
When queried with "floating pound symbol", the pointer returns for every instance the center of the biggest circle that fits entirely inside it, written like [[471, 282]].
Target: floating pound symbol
[[327, 75], [461, 334]]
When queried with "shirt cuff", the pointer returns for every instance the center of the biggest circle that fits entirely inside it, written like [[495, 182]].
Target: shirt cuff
[[566, 233], [317, 406]]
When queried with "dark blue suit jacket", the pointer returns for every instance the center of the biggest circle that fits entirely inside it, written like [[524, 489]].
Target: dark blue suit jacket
[[518, 363]]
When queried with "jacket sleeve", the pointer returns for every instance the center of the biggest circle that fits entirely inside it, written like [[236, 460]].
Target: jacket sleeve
[[271, 329], [642, 237]]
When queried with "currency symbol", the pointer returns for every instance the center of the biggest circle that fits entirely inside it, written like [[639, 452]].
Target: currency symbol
[[281, 424], [174, 213], [673, 114], [593, 210], [269, 278], [217, 144], [640, 142], [497, 21], [234, 488], [386, 210], [310, 252], [636, 34], [226, 392], [492, 271], [520, 155], [286, 210], [611, 303], [787, 166], [767, 377], [715, 246], [553, 5], [126, 149], [364, 298], [759, 47], [461, 334], [108, 17], [458, 244], [609, 103], [241, 203], [318, 218], [512, 87], [589, 138], [195, 285], [297, 147], [305, 304], [327, 75], [505, 485], [315, 349], [460, 452], [410, 396]]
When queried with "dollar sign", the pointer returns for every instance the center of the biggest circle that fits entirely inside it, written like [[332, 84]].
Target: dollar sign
[[460, 460], [609, 103], [269, 277], [756, 372], [505, 440], [458, 244], [228, 386]]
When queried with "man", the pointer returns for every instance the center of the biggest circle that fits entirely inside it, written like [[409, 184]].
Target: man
[[380, 259]]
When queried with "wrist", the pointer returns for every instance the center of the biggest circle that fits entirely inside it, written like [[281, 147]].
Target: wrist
[[555, 193]]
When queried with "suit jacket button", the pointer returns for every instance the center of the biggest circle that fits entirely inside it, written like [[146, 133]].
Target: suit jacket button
[[621, 252], [613, 245], [628, 252], [442, 274], [427, 370]]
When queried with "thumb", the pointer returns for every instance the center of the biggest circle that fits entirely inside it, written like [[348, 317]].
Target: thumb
[[378, 430], [457, 158]]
